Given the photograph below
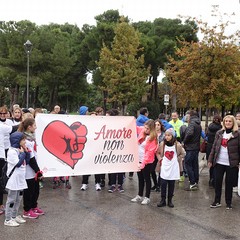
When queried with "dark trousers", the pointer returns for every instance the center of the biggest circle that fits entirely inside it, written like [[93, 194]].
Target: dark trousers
[[167, 184], [117, 177], [2, 163], [153, 172], [192, 166], [144, 177], [86, 177], [230, 178], [31, 194]]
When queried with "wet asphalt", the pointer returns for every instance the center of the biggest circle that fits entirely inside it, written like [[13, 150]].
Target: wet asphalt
[[75, 214]]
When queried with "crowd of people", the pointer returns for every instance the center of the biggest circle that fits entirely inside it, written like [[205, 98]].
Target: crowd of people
[[168, 152]]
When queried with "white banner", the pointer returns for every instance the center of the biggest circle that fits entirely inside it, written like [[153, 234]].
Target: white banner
[[70, 145]]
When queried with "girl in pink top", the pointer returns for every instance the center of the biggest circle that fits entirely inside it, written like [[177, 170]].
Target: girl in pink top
[[147, 145]]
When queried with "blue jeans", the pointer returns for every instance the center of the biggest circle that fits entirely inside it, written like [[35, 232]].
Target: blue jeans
[[192, 167]]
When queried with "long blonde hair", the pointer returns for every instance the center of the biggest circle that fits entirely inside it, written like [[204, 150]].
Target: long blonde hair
[[153, 134], [235, 125]]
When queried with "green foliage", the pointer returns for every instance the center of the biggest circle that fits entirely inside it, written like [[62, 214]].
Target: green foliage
[[123, 71]]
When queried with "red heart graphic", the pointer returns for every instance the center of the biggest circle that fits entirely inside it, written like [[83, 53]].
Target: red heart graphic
[[64, 142], [224, 142], [169, 155]]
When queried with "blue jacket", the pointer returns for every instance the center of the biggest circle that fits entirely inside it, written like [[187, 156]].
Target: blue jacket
[[166, 124], [141, 120]]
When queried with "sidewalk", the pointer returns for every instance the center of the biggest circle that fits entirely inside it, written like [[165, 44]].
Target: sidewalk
[[74, 214]]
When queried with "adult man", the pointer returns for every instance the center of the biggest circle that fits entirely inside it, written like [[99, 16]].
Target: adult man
[[143, 116], [176, 123], [191, 143]]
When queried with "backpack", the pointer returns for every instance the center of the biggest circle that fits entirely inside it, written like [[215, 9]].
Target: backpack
[[4, 178]]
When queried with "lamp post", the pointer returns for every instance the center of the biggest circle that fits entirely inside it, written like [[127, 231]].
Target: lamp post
[[28, 49]]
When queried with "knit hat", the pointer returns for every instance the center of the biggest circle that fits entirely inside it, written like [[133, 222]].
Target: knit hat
[[171, 131], [83, 110]]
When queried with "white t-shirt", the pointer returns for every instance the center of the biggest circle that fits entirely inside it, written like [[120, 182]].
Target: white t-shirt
[[7, 136], [5, 130], [31, 145], [141, 150], [223, 157], [17, 180], [170, 167]]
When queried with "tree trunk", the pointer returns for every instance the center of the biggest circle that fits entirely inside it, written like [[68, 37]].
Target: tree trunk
[[207, 114], [155, 85], [223, 111]]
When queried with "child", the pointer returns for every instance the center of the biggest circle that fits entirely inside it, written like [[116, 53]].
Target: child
[[33, 173], [171, 153], [17, 158], [147, 147]]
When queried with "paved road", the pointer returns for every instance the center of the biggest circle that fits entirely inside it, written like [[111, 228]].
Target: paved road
[[73, 214]]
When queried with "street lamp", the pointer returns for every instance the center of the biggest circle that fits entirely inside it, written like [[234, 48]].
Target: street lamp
[[28, 49]]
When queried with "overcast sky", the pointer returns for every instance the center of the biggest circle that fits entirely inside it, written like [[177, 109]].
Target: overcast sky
[[83, 11]]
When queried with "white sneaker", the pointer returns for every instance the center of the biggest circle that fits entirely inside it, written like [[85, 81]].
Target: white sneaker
[[98, 187], [145, 201], [11, 223], [19, 219], [137, 199], [235, 189], [84, 187]]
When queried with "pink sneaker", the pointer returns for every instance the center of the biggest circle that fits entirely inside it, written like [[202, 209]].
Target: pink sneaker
[[30, 214], [38, 211]]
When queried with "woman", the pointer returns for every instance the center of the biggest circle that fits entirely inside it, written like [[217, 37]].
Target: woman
[[147, 145], [224, 157], [160, 133], [211, 132], [16, 116]]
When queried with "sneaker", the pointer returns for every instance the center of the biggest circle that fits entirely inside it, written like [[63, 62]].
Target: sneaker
[[215, 205], [84, 187], [157, 189], [120, 189], [145, 201], [56, 184], [137, 199], [62, 179], [11, 223], [2, 210], [153, 188], [38, 211], [68, 185], [30, 214], [235, 189], [193, 186], [102, 184], [182, 178], [98, 187], [19, 219], [229, 206], [112, 189]]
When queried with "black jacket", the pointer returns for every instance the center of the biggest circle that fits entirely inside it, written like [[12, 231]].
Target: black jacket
[[211, 132], [193, 134]]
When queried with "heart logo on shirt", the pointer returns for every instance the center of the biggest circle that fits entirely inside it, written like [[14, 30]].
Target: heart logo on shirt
[[169, 155], [65, 142], [224, 142]]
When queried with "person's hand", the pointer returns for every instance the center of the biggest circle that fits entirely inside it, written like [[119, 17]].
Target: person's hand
[[140, 166], [209, 164], [21, 149]]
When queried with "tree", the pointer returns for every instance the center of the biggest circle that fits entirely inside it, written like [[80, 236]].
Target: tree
[[206, 72], [122, 69]]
